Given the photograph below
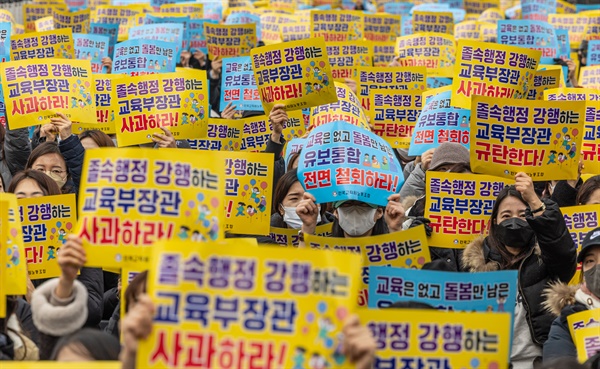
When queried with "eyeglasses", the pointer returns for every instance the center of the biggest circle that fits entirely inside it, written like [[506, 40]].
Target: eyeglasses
[[53, 171]]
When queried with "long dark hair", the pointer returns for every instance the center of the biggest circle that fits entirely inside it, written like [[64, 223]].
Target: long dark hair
[[100, 138], [47, 184], [379, 228], [46, 148], [587, 189], [131, 293], [95, 343], [283, 187], [508, 259]]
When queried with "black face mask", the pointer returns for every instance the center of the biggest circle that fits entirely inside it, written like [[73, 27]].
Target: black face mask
[[515, 232], [592, 280]]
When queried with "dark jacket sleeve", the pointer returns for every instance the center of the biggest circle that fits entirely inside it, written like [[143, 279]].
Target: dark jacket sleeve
[[113, 323], [559, 343], [25, 317], [110, 300], [279, 168], [557, 246], [73, 152], [17, 148], [93, 281], [564, 194], [215, 90]]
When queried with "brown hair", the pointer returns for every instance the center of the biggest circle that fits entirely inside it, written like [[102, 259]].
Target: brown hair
[[283, 187], [47, 184], [292, 158], [587, 189], [131, 293], [46, 148], [100, 138]]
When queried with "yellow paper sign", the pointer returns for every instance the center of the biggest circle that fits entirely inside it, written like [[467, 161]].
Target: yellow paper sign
[[278, 306], [142, 104], [382, 27], [345, 57], [296, 74], [587, 342], [130, 198], [431, 50], [542, 81], [288, 6], [228, 40], [539, 138], [256, 130], [573, 94], [122, 15], [564, 7], [436, 22], [459, 206], [15, 273], [479, 6], [38, 45], [394, 113], [270, 28], [289, 236], [44, 24], [468, 30], [406, 249], [383, 53], [46, 222], [221, 135], [35, 91], [580, 220], [492, 70], [337, 26], [61, 365], [438, 338], [33, 12], [78, 22], [491, 15], [105, 115], [191, 9], [248, 193], [590, 77], [347, 109], [583, 320], [394, 78], [298, 29], [4, 229], [575, 24], [488, 32]]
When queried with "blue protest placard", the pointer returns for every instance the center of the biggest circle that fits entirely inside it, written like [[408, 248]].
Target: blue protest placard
[[238, 85], [245, 18], [93, 48], [168, 32], [196, 40], [341, 161], [564, 48], [109, 29], [139, 57], [593, 55], [536, 35], [537, 9], [398, 8], [213, 10], [436, 82], [485, 291], [439, 122]]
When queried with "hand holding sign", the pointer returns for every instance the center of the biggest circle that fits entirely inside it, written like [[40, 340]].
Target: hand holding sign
[[308, 211], [395, 214]]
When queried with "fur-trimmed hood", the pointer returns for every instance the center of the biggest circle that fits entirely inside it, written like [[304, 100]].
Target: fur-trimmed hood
[[475, 258], [558, 296]]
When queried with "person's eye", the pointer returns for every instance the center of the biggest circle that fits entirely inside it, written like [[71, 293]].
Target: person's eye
[[40, 169], [59, 172]]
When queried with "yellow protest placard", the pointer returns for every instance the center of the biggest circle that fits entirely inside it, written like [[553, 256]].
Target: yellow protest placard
[[583, 320], [50, 44], [580, 220], [44, 24], [468, 30], [130, 198], [287, 6], [248, 193], [592, 29], [345, 57], [406, 249], [296, 74], [347, 109], [564, 7], [383, 53], [33, 12], [297, 29], [288, 303], [78, 22], [479, 6], [459, 206], [34, 91], [436, 22], [6, 16], [289, 236], [219, 135], [142, 104], [549, 67], [270, 27], [3, 250], [61, 364], [587, 342], [394, 113], [491, 15], [15, 273], [431, 50], [590, 77], [492, 70], [438, 338], [488, 32], [574, 23], [337, 26], [573, 94], [228, 40], [191, 9], [46, 222], [122, 15], [395, 78], [539, 138], [543, 81], [105, 115], [382, 27]]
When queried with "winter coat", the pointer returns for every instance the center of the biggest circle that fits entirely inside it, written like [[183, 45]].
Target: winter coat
[[414, 184], [14, 154], [552, 258]]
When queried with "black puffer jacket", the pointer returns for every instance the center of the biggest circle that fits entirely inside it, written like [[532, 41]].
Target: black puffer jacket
[[552, 258]]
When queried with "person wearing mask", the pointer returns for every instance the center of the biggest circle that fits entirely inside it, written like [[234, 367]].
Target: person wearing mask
[[93, 139], [563, 300], [438, 160], [529, 235], [32, 183]]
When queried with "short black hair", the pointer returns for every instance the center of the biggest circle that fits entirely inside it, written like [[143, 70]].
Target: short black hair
[[98, 345]]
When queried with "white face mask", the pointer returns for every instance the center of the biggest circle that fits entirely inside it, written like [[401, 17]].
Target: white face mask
[[356, 220], [292, 219]]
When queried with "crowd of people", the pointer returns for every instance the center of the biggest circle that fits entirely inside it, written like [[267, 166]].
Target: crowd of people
[[77, 316]]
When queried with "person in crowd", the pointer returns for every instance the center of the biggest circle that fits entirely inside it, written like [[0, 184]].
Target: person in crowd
[[15, 148], [589, 192], [87, 345], [15, 343], [93, 139], [288, 194], [563, 300], [136, 288], [32, 183], [529, 235]]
